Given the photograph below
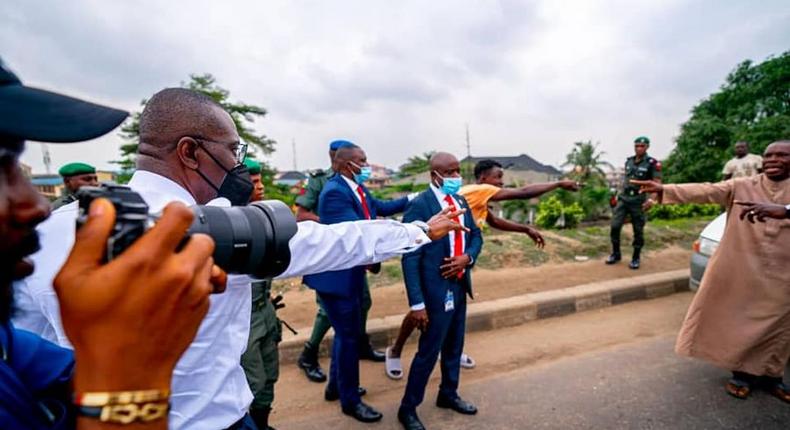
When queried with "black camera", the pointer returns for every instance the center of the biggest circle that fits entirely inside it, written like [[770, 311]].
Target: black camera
[[250, 239]]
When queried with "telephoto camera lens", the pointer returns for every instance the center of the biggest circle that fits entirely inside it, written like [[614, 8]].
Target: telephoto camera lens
[[249, 239]]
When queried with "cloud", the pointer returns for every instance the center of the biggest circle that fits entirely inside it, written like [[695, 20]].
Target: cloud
[[403, 78]]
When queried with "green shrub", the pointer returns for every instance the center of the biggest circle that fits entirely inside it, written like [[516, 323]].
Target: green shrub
[[551, 210]]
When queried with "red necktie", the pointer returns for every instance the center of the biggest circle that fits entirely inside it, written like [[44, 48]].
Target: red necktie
[[458, 242], [365, 209]]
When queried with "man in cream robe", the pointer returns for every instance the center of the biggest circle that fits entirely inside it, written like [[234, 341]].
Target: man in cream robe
[[740, 317]]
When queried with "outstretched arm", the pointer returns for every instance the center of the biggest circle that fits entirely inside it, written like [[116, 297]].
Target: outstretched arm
[[534, 190], [317, 248], [507, 225], [719, 193]]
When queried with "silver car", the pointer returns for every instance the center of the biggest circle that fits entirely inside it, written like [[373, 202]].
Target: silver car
[[704, 247]]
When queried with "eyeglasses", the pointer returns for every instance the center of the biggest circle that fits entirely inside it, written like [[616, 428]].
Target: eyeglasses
[[239, 153]]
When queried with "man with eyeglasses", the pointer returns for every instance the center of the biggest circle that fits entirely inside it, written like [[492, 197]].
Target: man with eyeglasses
[[75, 175], [190, 152]]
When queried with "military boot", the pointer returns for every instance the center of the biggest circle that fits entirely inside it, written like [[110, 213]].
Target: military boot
[[615, 256], [261, 418], [308, 361], [635, 260]]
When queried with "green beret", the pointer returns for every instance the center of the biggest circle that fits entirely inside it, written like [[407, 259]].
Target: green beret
[[642, 139], [253, 166], [73, 169]]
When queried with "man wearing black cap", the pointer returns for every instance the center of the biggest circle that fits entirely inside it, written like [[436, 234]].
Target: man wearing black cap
[[39, 380], [75, 175], [631, 202]]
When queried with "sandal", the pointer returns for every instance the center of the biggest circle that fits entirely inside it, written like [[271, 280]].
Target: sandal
[[467, 362], [781, 391], [392, 365], [738, 388]]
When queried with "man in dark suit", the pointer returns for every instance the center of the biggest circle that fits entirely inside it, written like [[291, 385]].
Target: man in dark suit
[[438, 278], [344, 198]]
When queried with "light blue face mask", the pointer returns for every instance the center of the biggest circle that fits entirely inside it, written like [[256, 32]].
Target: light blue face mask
[[363, 175], [450, 185]]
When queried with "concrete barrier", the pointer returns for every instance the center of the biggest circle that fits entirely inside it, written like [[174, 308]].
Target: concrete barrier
[[517, 310]]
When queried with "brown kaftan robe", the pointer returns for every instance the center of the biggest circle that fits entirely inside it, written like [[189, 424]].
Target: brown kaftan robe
[[740, 317]]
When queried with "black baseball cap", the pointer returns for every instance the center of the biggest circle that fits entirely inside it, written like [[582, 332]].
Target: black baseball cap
[[33, 114]]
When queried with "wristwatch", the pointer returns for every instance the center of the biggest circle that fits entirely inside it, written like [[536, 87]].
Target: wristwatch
[[787, 211]]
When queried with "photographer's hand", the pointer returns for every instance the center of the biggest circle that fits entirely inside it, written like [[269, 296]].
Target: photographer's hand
[[131, 319]]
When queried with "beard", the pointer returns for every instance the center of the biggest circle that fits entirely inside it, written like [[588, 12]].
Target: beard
[[14, 266]]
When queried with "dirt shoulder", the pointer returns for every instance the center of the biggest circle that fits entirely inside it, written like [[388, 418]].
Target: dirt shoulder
[[499, 283]]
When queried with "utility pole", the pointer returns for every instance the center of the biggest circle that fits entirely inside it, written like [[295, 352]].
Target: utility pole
[[468, 142], [47, 158], [468, 152], [293, 148]]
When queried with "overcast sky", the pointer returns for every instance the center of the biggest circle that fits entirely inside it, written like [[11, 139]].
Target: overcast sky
[[402, 78]]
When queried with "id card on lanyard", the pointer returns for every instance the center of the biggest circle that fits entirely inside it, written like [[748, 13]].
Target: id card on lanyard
[[449, 302]]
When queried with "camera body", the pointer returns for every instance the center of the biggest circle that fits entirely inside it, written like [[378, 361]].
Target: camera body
[[249, 239]]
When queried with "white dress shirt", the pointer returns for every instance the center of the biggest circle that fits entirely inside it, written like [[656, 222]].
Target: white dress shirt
[[209, 389], [441, 196]]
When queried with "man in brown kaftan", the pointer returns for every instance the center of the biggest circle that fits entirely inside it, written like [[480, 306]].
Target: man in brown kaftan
[[740, 317]]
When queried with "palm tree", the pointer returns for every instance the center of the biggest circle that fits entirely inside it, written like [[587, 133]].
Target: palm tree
[[417, 164], [587, 162]]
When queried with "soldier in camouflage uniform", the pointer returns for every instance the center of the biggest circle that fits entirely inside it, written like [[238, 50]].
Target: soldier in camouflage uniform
[[307, 204], [261, 360], [630, 202], [75, 175]]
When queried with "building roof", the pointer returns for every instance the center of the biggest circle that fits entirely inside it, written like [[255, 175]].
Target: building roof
[[46, 180], [519, 162], [291, 175]]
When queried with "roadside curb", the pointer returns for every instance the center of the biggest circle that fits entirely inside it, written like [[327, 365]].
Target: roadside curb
[[517, 310]]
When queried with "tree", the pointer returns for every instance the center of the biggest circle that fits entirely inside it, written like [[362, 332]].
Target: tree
[[753, 105], [417, 164], [243, 116], [587, 163]]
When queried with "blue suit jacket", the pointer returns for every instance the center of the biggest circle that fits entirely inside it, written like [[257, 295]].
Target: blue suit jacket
[[424, 282], [339, 203]]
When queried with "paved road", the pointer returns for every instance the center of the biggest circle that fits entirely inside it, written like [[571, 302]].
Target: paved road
[[639, 384]]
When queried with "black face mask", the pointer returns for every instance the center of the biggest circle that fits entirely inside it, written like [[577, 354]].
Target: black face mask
[[237, 185]]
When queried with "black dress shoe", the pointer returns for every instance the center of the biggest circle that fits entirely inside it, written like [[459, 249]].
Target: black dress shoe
[[371, 354], [457, 404], [614, 258], [634, 264], [410, 420], [308, 361], [363, 412], [330, 395]]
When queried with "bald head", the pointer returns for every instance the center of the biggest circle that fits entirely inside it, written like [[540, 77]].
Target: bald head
[[189, 138], [441, 159], [177, 112], [444, 165], [776, 160]]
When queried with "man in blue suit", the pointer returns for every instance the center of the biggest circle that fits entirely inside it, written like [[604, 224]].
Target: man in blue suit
[[345, 198], [437, 280]]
